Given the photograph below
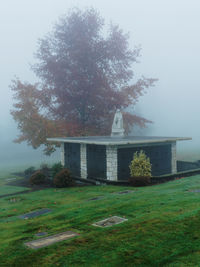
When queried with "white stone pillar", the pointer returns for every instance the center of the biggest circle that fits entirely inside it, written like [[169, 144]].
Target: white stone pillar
[[174, 164], [62, 154], [83, 163], [111, 163]]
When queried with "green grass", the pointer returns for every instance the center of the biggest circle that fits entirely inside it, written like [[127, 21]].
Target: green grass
[[7, 189], [163, 227]]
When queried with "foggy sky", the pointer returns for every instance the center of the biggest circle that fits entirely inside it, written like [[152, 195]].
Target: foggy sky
[[168, 32]]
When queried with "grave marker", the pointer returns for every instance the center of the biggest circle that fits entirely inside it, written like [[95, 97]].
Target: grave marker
[[10, 179], [125, 192], [46, 241], [34, 214], [95, 198], [110, 221]]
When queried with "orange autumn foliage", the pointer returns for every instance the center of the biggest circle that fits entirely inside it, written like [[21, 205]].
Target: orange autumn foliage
[[84, 76]]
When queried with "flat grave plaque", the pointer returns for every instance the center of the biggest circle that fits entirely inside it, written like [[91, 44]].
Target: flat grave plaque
[[46, 241], [125, 192], [16, 199], [34, 214], [10, 179], [195, 191], [110, 221], [95, 198]]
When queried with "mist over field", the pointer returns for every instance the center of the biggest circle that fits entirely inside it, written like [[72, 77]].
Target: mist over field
[[168, 32]]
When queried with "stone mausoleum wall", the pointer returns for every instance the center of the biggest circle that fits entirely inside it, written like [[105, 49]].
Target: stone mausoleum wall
[[160, 158], [112, 162], [96, 161], [72, 158]]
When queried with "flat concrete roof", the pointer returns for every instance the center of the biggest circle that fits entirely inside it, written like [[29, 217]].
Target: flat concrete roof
[[108, 140]]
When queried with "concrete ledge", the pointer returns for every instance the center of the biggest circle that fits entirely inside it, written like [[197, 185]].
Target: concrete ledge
[[85, 181], [154, 179]]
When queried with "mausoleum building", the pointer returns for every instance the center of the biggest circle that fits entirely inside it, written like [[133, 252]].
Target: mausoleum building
[[109, 157]]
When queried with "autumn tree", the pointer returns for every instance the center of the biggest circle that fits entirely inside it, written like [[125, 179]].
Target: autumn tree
[[84, 76]]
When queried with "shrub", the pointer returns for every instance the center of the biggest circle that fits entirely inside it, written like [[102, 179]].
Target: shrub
[[29, 171], [63, 179], [56, 168], [45, 169], [37, 178], [140, 169]]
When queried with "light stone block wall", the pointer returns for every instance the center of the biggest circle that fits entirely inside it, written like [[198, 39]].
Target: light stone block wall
[[111, 163], [62, 154], [174, 163], [83, 163]]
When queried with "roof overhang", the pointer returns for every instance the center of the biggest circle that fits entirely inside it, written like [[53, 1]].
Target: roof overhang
[[127, 140]]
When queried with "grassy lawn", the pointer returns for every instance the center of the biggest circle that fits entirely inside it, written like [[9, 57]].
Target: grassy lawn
[[5, 189], [163, 227], [5, 178]]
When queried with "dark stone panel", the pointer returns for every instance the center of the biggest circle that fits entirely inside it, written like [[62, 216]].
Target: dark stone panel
[[187, 165], [34, 214], [72, 158], [96, 161], [160, 158]]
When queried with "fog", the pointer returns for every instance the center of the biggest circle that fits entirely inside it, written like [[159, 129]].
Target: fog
[[168, 32]]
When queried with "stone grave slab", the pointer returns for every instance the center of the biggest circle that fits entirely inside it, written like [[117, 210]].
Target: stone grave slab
[[15, 199], [195, 191], [110, 221], [34, 214], [95, 198], [10, 179], [46, 241], [125, 192]]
